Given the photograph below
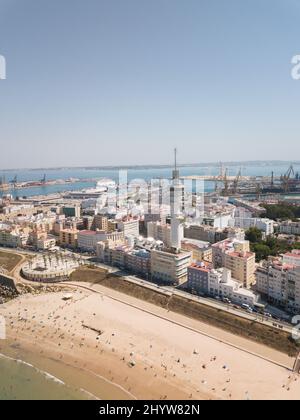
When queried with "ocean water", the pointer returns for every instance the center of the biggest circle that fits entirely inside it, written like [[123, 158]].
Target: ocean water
[[22, 381], [145, 174]]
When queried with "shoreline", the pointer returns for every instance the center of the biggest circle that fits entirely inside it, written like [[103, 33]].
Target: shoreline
[[138, 354], [75, 363]]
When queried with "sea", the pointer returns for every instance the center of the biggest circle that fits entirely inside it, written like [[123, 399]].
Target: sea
[[259, 169], [20, 380]]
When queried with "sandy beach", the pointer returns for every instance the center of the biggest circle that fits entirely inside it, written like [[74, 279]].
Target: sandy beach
[[118, 347]]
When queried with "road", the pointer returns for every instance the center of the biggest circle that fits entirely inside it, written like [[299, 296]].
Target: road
[[169, 290], [205, 301]]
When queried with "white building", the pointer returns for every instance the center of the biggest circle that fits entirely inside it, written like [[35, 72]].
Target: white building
[[265, 225], [160, 232], [292, 258], [170, 267], [13, 239], [130, 227], [177, 232], [280, 284], [221, 284], [44, 244], [290, 228], [220, 221], [88, 239]]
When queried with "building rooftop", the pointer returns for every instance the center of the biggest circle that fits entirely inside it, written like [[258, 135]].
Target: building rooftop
[[195, 243], [205, 267], [293, 254]]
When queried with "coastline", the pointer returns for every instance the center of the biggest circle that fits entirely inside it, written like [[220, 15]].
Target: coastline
[[75, 363], [137, 354]]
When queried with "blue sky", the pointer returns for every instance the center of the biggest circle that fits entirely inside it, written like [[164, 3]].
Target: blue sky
[[108, 82]]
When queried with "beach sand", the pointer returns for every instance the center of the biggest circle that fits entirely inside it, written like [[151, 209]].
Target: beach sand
[[103, 343]]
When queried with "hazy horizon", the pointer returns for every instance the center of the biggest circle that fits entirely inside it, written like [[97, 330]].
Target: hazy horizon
[[166, 165], [114, 83]]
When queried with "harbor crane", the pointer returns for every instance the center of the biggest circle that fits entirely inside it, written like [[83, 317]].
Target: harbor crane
[[285, 179], [226, 183], [258, 191], [14, 181], [236, 182]]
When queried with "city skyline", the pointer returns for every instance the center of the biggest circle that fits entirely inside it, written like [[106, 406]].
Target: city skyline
[[140, 78]]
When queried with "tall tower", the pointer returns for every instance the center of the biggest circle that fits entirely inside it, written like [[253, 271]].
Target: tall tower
[[176, 174], [177, 198]]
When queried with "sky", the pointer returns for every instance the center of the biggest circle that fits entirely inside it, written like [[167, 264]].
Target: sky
[[123, 82]]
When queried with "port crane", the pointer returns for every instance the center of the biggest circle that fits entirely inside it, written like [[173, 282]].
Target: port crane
[[226, 183], [285, 179], [14, 181], [236, 182]]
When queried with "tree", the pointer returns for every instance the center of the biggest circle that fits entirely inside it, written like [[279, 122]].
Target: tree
[[254, 235], [281, 211], [262, 251]]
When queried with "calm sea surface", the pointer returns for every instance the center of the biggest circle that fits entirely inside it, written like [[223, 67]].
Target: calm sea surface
[[146, 174]]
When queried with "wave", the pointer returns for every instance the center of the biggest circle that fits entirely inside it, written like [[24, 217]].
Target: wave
[[47, 375], [89, 394]]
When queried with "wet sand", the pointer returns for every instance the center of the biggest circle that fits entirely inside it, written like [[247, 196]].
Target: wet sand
[[115, 351]]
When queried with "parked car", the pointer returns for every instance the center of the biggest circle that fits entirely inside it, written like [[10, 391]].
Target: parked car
[[226, 300]]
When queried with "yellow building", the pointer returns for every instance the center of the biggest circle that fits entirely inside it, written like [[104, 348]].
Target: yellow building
[[235, 256], [68, 238], [100, 223], [242, 266], [201, 251]]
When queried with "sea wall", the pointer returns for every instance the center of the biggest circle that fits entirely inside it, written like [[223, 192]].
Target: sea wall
[[7, 282]]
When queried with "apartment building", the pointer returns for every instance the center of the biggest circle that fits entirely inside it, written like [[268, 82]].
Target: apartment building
[[139, 262], [220, 220], [45, 243], [169, 267], [235, 256], [71, 211], [201, 251], [88, 239], [68, 238], [212, 234], [292, 258], [160, 232], [289, 228], [221, 283], [135, 261], [197, 281], [265, 225], [87, 222], [130, 227], [100, 222], [280, 284], [202, 279], [13, 239]]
